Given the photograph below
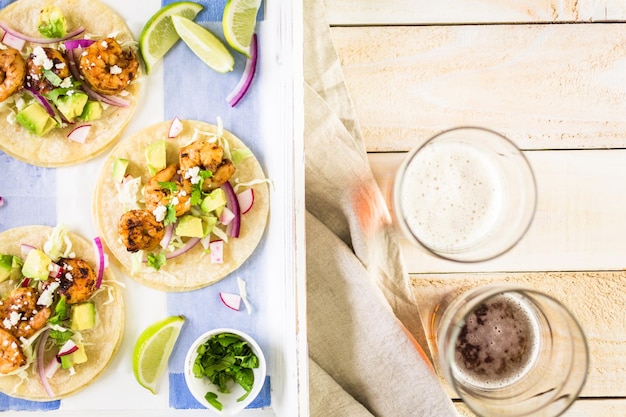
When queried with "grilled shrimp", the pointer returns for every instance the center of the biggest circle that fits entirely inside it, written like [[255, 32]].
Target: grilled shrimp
[[11, 355], [107, 68], [20, 314], [206, 155], [140, 230], [45, 59], [157, 194], [77, 281], [12, 72]]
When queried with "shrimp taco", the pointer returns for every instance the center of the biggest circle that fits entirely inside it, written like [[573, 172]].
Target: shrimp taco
[[61, 314], [181, 204], [69, 71]]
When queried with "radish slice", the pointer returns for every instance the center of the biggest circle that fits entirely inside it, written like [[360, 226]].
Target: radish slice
[[217, 251], [27, 38], [227, 216], [55, 270], [40, 366], [232, 301], [245, 199], [13, 41], [101, 260], [175, 128], [68, 348], [233, 205], [246, 78], [79, 134]]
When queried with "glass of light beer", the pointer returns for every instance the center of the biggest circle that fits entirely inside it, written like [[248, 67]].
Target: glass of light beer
[[511, 351], [467, 194]]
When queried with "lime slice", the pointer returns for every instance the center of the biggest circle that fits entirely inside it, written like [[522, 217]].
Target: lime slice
[[153, 349], [204, 44], [239, 22], [158, 34]]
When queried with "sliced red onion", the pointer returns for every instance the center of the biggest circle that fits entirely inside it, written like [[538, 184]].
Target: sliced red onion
[[39, 40], [40, 366], [233, 205], [183, 249], [25, 282], [80, 133], [25, 248], [1, 201], [246, 78], [167, 236], [101, 260], [13, 41], [77, 43], [43, 101], [52, 367]]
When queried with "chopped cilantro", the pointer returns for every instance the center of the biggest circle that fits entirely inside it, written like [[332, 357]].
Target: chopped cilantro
[[168, 185], [222, 358], [156, 260], [170, 215], [60, 312]]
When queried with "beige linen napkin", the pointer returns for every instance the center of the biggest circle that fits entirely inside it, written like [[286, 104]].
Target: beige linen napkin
[[362, 318]]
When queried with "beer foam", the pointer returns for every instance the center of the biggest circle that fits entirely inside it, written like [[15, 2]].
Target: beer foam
[[499, 343], [451, 195]]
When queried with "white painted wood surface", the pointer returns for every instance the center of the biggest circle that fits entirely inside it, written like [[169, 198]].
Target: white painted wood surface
[[416, 67]]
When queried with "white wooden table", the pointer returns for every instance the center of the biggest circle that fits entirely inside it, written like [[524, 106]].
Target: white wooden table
[[551, 76]]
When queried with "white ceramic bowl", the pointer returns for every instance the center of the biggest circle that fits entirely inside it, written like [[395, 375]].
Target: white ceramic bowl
[[200, 386]]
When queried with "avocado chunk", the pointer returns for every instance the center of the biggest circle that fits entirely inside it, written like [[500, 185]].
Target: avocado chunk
[[190, 226], [83, 316], [119, 169], [35, 119], [36, 265], [10, 267], [156, 156], [91, 111], [77, 357], [52, 22], [214, 201], [71, 105]]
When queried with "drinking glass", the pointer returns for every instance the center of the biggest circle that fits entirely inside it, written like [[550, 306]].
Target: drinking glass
[[511, 351], [467, 194]]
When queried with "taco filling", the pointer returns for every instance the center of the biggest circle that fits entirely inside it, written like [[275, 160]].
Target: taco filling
[[51, 315], [70, 78], [189, 207], [62, 79]]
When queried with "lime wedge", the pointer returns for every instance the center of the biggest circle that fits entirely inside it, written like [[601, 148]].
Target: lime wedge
[[158, 34], [239, 22], [204, 44], [153, 349]]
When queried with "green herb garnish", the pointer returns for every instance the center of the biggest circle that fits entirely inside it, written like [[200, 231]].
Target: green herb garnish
[[157, 260], [224, 358]]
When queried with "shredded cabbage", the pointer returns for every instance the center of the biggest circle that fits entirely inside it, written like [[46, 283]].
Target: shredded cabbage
[[58, 244]]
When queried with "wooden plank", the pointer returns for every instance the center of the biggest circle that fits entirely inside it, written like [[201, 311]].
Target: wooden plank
[[364, 12], [581, 408], [580, 222], [543, 86], [595, 298]]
